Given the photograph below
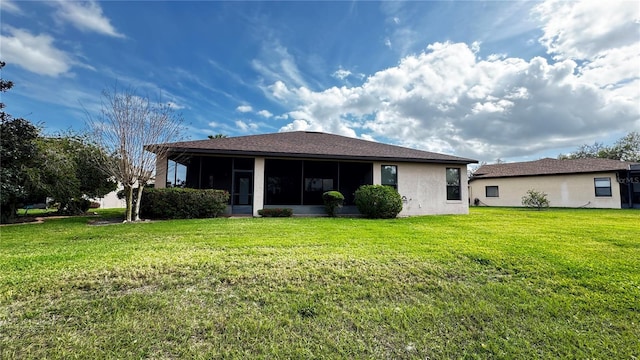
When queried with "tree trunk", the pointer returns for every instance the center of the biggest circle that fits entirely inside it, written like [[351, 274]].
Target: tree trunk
[[139, 200], [129, 190]]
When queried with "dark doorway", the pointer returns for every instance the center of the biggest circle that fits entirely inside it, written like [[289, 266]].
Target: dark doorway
[[242, 192]]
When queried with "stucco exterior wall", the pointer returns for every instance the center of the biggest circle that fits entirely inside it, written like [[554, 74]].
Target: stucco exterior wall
[[424, 188], [573, 190], [111, 201], [161, 172]]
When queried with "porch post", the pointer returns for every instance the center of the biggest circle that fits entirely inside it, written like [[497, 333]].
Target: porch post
[[161, 172], [258, 185]]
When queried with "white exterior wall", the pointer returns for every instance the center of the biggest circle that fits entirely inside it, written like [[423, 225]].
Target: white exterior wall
[[111, 201], [424, 188], [573, 190], [258, 185]]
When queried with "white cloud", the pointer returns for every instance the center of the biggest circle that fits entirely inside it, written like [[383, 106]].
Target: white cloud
[[586, 29], [246, 126], [35, 53], [174, 105], [10, 6], [446, 99], [244, 108], [341, 74], [265, 113], [604, 36], [277, 64], [86, 16]]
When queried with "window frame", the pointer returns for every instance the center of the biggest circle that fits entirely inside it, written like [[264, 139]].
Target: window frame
[[394, 183], [497, 192], [452, 187], [608, 192]]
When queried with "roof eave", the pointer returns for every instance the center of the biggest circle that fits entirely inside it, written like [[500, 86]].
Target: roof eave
[[548, 174], [461, 161]]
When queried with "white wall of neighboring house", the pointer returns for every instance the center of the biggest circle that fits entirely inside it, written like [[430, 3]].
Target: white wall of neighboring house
[[111, 201], [571, 190]]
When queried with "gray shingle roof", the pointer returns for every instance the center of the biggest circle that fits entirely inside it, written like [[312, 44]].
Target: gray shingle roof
[[548, 166], [306, 144]]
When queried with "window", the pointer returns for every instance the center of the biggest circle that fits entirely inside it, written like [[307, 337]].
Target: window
[[176, 174], [390, 176], [491, 191], [453, 184], [603, 186]]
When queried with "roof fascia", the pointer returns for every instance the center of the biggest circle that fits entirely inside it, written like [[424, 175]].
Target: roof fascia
[[316, 156]]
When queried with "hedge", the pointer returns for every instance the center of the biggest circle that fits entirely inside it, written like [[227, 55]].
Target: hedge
[[378, 201], [182, 203], [276, 212]]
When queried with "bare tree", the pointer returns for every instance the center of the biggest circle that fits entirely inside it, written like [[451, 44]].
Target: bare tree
[[126, 123]]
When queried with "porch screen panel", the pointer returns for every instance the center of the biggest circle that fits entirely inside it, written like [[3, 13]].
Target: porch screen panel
[[319, 176], [283, 182], [216, 173], [352, 176]]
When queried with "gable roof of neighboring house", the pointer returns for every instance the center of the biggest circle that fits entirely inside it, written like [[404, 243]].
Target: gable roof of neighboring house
[[549, 166], [307, 144]]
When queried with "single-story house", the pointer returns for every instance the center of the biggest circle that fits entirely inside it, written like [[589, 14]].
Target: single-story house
[[293, 169], [594, 183]]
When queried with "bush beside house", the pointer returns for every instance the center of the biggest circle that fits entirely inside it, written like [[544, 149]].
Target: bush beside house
[[333, 201], [276, 212], [378, 201], [179, 203], [535, 199]]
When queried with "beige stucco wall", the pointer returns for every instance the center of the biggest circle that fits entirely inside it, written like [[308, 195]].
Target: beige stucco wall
[[574, 190], [424, 188], [161, 172]]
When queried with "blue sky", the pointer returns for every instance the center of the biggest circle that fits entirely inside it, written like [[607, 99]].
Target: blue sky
[[486, 80]]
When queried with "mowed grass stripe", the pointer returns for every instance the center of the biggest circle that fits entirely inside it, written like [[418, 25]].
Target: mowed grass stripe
[[499, 283]]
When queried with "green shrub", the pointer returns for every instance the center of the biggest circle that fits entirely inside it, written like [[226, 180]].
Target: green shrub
[[535, 199], [74, 207], [333, 201], [378, 201], [276, 212], [180, 203]]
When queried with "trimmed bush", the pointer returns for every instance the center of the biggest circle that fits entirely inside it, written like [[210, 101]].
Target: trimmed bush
[[535, 199], [74, 207], [332, 202], [378, 201], [276, 212], [180, 203]]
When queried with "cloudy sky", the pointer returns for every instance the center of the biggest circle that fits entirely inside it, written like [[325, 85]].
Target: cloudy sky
[[486, 80]]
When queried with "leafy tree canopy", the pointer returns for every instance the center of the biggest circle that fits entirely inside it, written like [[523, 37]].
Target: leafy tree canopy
[[35, 167], [627, 148], [71, 171]]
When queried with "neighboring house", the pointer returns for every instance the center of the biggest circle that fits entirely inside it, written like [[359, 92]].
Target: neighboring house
[[111, 200], [293, 169], [595, 183]]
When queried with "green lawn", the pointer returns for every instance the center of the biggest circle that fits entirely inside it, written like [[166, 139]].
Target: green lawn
[[498, 283]]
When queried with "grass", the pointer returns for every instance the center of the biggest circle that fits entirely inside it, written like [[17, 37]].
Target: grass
[[499, 283]]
